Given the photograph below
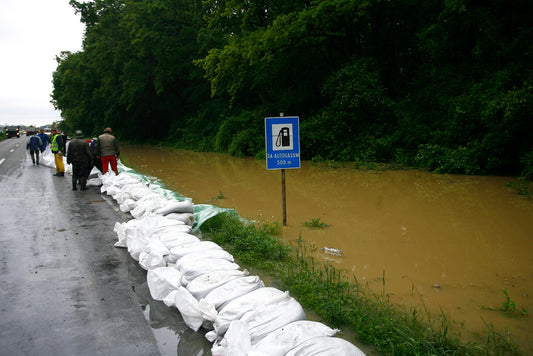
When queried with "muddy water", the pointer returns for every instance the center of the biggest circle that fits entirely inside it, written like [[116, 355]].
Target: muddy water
[[451, 243]]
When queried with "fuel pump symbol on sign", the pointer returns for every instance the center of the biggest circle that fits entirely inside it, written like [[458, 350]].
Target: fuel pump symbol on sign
[[282, 137]]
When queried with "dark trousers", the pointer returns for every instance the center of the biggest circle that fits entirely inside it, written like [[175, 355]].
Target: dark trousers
[[96, 163], [34, 156], [79, 171]]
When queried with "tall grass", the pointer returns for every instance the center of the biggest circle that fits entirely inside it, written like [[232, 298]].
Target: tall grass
[[343, 302]]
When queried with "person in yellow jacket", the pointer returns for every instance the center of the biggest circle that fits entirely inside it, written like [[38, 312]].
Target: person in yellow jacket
[[58, 149]]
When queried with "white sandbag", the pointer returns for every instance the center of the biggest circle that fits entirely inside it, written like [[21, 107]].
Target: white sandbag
[[176, 206], [148, 225], [203, 284], [265, 320], [243, 304], [136, 244], [236, 342], [120, 230], [111, 190], [235, 288], [205, 265], [162, 281], [140, 191], [139, 211], [126, 230], [123, 195], [155, 245], [325, 346], [209, 253], [127, 205], [180, 227], [176, 239], [151, 260], [124, 179], [280, 341], [94, 182], [148, 204], [188, 307], [187, 218], [163, 222], [179, 251]]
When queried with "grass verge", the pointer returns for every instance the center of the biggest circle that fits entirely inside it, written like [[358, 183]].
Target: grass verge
[[327, 292]]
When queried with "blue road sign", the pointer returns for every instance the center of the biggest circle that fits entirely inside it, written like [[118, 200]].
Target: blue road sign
[[282, 138]]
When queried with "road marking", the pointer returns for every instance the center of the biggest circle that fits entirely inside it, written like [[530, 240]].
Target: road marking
[[2, 160]]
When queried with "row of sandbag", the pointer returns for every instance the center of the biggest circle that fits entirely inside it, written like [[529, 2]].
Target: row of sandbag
[[209, 289]]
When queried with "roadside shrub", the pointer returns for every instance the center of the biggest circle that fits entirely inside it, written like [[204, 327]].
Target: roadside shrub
[[241, 135], [439, 159], [527, 161]]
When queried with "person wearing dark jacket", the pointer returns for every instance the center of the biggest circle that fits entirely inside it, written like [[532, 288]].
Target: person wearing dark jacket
[[96, 161], [79, 156], [58, 149], [34, 145]]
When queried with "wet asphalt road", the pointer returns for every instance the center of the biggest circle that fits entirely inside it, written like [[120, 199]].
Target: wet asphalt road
[[64, 288]]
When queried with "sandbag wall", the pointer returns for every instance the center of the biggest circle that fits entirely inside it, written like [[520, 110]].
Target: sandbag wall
[[201, 279]]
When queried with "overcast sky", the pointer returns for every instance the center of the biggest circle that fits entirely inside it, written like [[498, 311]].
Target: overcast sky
[[32, 33]]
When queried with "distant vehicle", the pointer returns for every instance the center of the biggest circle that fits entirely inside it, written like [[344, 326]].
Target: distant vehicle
[[12, 131], [30, 131]]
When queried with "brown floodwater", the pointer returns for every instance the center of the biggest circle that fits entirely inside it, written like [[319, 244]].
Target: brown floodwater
[[448, 243]]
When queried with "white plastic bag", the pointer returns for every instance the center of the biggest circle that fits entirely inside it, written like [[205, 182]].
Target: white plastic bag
[[243, 304], [198, 267], [220, 296], [127, 205], [136, 244], [280, 341], [176, 206], [325, 346], [265, 320], [187, 218], [188, 307], [162, 281], [178, 252], [213, 253], [203, 284], [151, 260], [176, 238], [236, 342], [148, 204]]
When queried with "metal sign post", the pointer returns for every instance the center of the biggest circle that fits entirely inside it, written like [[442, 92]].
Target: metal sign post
[[282, 142]]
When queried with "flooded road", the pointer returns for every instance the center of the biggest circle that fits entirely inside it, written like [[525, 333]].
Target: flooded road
[[450, 242]]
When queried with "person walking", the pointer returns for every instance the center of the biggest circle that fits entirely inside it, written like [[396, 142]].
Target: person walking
[[34, 145], [79, 156], [96, 162], [44, 139], [107, 150], [58, 149]]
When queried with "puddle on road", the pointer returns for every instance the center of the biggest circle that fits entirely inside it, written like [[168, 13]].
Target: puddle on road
[[443, 241]]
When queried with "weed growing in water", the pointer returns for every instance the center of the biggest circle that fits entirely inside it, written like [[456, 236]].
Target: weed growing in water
[[523, 187], [315, 223], [510, 306]]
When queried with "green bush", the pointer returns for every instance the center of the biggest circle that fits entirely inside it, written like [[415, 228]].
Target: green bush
[[241, 135], [462, 160], [527, 161]]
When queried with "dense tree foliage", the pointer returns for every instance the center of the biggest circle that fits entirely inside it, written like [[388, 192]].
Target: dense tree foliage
[[445, 85]]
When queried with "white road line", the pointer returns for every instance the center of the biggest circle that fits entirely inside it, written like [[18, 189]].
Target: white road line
[[2, 160]]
